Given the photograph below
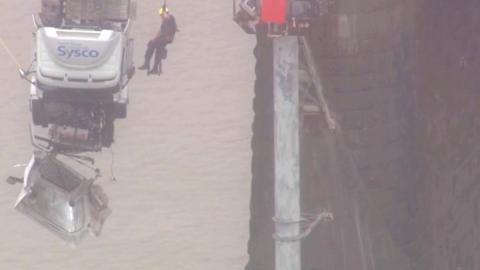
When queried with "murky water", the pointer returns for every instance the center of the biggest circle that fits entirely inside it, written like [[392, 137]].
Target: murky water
[[182, 158]]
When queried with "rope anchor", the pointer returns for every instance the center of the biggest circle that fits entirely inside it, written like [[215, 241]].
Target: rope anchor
[[12, 56], [324, 216]]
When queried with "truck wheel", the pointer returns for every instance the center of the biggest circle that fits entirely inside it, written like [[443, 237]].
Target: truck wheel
[[120, 111], [131, 72], [107, 134], [107, 131], [38, 113]]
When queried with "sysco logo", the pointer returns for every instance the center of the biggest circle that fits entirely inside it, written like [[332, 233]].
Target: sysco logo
[[77, 53]]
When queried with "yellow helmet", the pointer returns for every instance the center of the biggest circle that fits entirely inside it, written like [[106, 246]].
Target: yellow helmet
[[162, 11]]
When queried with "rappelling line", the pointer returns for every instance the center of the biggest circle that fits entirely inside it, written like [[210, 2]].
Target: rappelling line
[[164, 6], [112, 165], [10, 54]]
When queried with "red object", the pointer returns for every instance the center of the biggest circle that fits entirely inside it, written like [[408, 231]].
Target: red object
[[274, 11]]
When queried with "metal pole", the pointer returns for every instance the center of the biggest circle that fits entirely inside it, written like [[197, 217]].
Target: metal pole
[[287, 162], [307, 51]]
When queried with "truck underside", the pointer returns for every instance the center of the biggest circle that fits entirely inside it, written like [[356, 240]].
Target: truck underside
[[83, 63]]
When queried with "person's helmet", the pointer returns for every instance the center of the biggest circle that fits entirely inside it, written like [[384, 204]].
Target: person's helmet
[[162, 11]]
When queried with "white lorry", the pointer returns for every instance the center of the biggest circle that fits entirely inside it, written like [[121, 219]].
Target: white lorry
[[83, 63]]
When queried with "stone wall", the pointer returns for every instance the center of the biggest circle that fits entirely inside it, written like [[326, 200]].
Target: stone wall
[[448, 133], [401, 174], [365, 51]]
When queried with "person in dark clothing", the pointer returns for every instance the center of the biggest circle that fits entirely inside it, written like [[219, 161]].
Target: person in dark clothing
[[158, 45]]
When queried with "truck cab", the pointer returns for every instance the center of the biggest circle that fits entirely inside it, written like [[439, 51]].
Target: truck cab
[[83, 63], [61, 199]]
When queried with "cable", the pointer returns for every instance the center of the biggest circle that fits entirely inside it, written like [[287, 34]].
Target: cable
[[112, 164], [10, 54]]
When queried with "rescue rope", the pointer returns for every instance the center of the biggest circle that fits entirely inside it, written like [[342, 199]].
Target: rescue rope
[[112, 165], [10, 54]]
